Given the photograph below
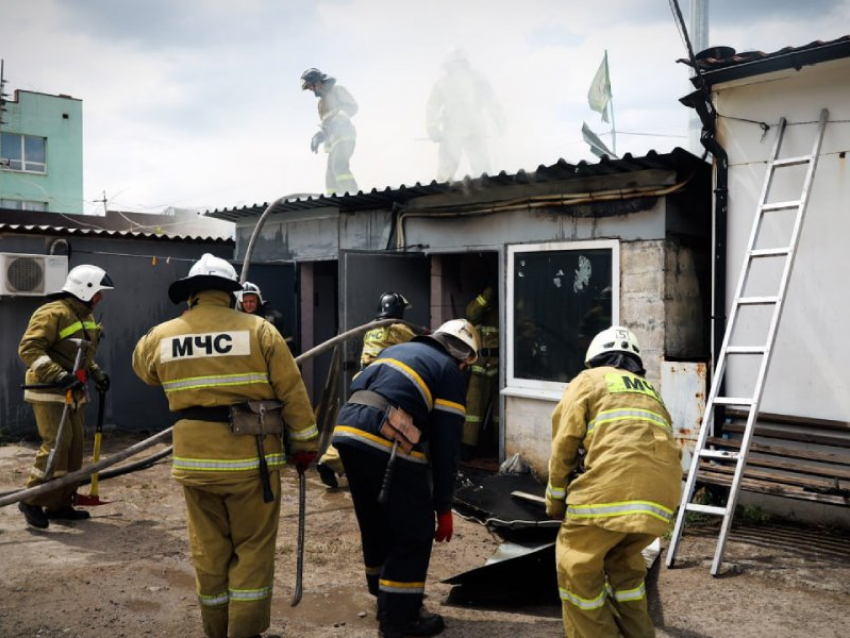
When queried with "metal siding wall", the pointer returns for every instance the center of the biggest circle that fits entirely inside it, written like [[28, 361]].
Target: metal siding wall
[[139, 302], [811, 334]]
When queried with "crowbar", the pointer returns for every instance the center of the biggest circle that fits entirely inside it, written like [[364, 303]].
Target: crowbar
[[299, 563], [82, 345], [92, 498]]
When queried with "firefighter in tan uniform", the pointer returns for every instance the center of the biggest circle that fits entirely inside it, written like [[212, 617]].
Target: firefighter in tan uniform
[[337, 135], [207, 361], [49, 348], [482, 395], [391, 305], [624, 499]]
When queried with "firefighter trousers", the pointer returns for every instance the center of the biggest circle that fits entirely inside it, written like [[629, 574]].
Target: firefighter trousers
[[397, 537], [232, 535], [68, 458], [601, 580], [481, 394], [338, 176]]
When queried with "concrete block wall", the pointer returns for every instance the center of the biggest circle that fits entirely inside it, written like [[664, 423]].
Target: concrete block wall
[[642, 309]]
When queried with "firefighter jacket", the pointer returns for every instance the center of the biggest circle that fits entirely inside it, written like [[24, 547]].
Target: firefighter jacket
[[46, 347], [632, 466], [483, 313], [212, 356], [336, 108], [377, 339], [427, 383]]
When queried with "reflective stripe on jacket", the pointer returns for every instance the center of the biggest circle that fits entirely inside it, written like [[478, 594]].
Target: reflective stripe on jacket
[[213, 355], [48, 350], [378, 339], [427, 383], [632, 467]]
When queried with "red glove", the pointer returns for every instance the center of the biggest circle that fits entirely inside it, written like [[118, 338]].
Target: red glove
[[302, 460], [445, 527]]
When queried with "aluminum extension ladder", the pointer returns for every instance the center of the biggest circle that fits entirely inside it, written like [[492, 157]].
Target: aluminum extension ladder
[[751, 404]]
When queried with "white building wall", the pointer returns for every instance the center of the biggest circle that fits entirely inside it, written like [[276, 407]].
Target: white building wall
[[806, 374]]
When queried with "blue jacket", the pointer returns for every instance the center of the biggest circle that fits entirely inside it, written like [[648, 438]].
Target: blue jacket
[[426, 382]]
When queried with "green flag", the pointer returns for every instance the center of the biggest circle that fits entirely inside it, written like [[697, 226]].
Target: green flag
[[599, 93]]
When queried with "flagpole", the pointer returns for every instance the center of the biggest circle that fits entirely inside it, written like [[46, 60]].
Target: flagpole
[[611, 103]]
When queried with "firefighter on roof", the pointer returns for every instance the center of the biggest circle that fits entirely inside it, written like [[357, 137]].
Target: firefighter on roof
[[337, 133], [209, 362], [625, 497]]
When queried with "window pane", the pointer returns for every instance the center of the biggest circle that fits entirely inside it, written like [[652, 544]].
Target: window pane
[[34, 149], [10, 147], [562, 299]]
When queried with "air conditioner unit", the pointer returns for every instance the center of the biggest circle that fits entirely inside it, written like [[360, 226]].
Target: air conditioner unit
[[23, 275]]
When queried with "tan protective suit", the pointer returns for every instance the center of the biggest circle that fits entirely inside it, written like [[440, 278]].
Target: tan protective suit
[[374, 342], [482, 393], [47, 350], [216, 356], [624, 499]]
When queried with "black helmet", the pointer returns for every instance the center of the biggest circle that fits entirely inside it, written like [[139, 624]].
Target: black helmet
[[391, 306], [312, 76]]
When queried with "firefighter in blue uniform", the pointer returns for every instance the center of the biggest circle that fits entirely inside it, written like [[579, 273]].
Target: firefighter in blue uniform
[[424, 379]]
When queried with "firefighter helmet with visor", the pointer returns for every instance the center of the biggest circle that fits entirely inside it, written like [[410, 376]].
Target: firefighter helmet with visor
[[84, 282], [208, 273], [613, 339]]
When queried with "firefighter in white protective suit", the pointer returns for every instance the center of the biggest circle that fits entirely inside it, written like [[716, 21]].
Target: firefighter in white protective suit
[[218, 367], [626, 495]]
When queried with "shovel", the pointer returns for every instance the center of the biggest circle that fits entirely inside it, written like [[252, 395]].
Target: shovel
[[92, 498]]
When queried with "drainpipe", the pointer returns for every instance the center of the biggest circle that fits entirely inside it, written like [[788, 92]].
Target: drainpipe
[[700, 100]]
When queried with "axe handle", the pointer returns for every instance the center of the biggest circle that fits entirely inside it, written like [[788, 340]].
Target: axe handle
[[268, 496], [388, 475], [299, 560]]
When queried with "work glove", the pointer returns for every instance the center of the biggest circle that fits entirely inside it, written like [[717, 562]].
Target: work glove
[[317, 140], [101, 380], [556, 510], [302, 460], [445, 527], [71, 380]]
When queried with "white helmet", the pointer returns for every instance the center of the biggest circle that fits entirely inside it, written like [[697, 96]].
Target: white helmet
[[464, 332], [85, 281], [250, 289], [208, 273], [613, 339]]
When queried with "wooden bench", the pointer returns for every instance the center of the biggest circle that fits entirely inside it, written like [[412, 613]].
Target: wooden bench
[[791, 457]]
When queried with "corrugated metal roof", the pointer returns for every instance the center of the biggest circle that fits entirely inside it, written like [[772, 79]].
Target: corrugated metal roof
[[678, 159], [30, 222], [723, 64], [43, 229]]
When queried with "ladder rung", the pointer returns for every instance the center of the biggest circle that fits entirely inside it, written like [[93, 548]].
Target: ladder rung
[[766, 208], [706, 509], [732, 401], [719, 454], [793, 161], [758, 300], [769, 252], [746, 350]]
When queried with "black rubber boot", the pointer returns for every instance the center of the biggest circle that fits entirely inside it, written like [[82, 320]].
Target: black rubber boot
[[327, 475], [425, 625], [68, 513], [35, 515]]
